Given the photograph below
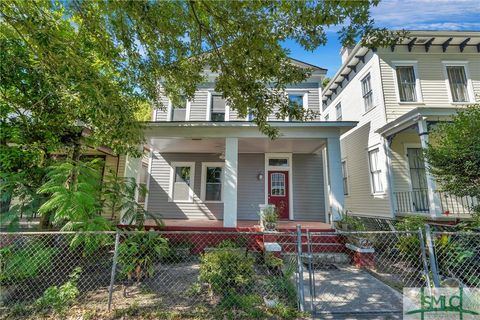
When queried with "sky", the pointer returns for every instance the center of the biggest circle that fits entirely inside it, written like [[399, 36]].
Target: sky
[[460, 15]]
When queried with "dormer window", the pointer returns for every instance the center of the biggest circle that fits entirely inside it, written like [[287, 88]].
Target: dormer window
[[218, 108]]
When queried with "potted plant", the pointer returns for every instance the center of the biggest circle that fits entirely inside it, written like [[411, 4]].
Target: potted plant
[[269, 218]]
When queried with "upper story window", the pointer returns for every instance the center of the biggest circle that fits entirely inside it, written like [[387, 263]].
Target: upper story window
[[458, 83], [296, 101], [217, 112], [367, 93], [375, 171], [338, 111], [407, 83], [179, 109], [181, 181]]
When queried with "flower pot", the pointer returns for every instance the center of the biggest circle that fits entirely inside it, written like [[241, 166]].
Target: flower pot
[[270, 226]]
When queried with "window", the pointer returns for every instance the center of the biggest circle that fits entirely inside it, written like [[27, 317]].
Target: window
[[457, 80], [407, 87], [375, 171], [218, 108], [338, 110], [143, 183], [181, 181], [295, 101], [250, 115], [179, 109], [277, 184], [344, 175], [212, 181], [278, 162], [367, 93]]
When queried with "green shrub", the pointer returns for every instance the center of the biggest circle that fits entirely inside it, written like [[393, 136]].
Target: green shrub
[[58, 298], [138, 252], [24, 263], [227, 271], [409, 244]]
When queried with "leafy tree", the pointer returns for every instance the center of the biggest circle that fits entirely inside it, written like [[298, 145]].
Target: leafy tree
[[454, 154]]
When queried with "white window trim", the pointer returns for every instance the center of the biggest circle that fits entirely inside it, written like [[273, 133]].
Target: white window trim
[[418, 88], [173, 165], [170, 110], [362, 77], [372, 189], [470, 91], [337, 118], [304, 95], [288, 156], [203, 188], [209, 106]]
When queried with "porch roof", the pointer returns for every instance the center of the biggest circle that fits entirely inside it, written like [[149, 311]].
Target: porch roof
[[413, 116]]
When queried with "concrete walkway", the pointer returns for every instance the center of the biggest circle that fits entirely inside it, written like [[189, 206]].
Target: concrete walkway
[[351, 293]]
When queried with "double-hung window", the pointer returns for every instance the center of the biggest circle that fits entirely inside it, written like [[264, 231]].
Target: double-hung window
[[458, 83], [181, 181], [179, 109], [407, 83], [143, 180], [375, 171], [212, 181], [338, 110], [345, 178], [296, 101], [367, 93], [218, 108]]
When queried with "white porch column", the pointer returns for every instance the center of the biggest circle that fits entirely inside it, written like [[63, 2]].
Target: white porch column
[[433, 197], [230, 185], [334, 159]]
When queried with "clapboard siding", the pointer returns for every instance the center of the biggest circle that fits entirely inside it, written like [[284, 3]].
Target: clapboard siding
[[158, 203], [198, 106], [430, 69], [250, 191], [308, 187]]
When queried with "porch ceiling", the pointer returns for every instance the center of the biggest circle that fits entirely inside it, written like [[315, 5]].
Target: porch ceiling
[[245, 145]]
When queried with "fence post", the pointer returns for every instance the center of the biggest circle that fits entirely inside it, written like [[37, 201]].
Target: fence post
[[311, 274], [301, 292], [114, 268], [431, 254], [424, 257]]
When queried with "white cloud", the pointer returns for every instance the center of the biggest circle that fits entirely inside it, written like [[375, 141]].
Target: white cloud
[[425, 14]]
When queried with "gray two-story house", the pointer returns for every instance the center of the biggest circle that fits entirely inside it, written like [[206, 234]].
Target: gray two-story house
[[206, 164]]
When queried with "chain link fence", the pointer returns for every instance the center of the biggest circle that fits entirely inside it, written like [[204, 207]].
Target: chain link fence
[[253, 275]]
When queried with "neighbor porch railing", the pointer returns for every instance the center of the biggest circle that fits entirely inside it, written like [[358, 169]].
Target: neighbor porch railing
[[417, 201]]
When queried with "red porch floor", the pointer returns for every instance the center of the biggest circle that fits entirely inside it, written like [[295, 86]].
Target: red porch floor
[[242, 225]]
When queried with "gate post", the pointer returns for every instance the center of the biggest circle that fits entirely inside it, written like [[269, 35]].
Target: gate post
[[301, 293], [431, 254], [424, 258]]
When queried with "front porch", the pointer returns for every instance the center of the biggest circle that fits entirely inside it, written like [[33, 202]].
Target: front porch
[[217, 175], [414, 191]]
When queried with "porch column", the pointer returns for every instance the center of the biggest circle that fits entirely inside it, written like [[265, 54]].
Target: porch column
[[230, 186], [435, 206], [334, 159]]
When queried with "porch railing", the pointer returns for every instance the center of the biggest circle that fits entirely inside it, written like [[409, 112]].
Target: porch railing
[[412, 201], [417, 202]]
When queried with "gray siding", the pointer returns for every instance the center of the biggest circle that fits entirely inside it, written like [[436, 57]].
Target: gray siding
[[198, 106], [160, 183], [251, 191], [308, 187]]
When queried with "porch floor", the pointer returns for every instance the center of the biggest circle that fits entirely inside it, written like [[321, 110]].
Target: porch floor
[[242, 225]]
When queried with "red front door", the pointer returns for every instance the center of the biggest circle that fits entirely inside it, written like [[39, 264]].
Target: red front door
[[278, 192]]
